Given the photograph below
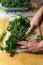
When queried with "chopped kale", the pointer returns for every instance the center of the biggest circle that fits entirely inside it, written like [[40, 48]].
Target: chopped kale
[[15, 3], [17, 28], [38, 38]]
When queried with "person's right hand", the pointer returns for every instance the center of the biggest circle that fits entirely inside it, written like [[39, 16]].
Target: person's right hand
[[33, 25], [35, 20]]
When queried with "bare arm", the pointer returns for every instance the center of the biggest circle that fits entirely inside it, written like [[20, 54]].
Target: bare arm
[[36, 20]]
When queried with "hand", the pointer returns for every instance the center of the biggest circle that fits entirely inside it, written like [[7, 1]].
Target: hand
[[31, 46], [36, 20], [33, 26]]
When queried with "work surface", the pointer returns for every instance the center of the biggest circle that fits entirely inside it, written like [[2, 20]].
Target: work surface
[[19, 58]]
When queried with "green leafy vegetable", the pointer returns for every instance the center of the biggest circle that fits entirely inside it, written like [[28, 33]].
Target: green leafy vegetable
[[15, 3], [0, 0], [17, 28], [1, 37], [38, 38]]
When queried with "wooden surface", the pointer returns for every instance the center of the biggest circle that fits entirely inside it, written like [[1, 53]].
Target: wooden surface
[[19, 58], [41, 29]]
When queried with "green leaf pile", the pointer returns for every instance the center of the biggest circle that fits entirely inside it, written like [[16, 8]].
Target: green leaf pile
[[17, 28], [15, 3]]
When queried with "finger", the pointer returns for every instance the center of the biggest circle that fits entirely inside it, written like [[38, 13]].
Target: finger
[[30, 29], [23, 47], [24, 50], [27, 50], [22, 42]]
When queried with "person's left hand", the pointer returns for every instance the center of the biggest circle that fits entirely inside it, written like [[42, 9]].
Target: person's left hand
[[29, 46]]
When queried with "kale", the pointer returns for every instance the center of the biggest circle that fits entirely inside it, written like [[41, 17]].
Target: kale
[[15, 3], [38, 38], [25, 3], [17, 28], [1, 37], [0, 0]]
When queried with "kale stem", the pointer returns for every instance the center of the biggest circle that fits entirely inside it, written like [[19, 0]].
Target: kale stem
[[3, 33], [1, 36]]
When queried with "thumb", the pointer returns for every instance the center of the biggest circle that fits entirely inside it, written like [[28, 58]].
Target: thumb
[[29, 30]]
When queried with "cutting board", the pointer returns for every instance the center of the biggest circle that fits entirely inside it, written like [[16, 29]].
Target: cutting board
[[19, 58], [41, 29]]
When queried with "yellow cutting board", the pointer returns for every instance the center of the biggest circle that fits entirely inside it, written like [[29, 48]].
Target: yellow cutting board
[[41, 29], [19, 58]]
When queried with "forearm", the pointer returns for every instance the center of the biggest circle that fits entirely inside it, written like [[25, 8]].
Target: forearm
[[37, 18]]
